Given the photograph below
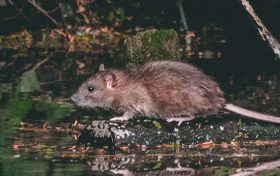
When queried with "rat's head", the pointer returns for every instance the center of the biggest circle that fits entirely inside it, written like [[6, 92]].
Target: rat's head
[[98, 90]]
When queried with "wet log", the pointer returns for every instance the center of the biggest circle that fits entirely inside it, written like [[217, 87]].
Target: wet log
[[154, 132]]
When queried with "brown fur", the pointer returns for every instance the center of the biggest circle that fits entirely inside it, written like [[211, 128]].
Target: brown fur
[[159, 89]]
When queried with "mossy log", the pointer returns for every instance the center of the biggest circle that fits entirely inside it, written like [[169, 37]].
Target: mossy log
[[153, 45]]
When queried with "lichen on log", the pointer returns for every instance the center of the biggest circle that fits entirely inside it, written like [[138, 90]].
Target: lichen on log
[[155, 132]]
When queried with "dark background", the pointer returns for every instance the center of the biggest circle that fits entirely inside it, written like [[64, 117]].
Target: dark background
[[244, 45]]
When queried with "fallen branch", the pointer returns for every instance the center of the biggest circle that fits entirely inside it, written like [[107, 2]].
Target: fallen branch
[[265, 34]]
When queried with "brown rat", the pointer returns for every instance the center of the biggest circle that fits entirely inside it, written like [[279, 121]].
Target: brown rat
[[170, 90]]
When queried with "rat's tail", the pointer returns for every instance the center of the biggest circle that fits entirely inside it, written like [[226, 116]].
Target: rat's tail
[[252, 114]]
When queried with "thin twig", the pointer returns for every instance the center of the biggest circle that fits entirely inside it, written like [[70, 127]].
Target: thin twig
[[13, 17], [265, 34], [32, 2], [18, 9], [182, 13], [53, 10], [42, 61]]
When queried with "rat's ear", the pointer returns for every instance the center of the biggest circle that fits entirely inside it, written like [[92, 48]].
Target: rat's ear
[[101, 67], [111, 80]]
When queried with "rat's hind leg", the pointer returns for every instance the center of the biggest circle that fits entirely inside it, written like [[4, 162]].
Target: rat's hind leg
[[125, 117], [180, 119]]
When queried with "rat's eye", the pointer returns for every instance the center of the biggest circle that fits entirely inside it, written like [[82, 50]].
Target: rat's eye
[[90, 88]]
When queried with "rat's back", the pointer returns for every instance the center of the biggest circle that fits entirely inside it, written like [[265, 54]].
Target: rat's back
[[179, 90]]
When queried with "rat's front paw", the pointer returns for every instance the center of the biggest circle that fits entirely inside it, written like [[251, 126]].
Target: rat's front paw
[[125, 117], [121, 118]]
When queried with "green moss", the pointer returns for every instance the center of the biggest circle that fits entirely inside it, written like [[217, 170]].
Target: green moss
[[223, 171], [153, 45]]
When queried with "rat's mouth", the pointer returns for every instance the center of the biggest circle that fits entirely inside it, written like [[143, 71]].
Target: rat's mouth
[[79, 102], [81, 105], [86, 103]]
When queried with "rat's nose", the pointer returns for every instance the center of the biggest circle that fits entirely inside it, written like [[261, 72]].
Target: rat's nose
[[74, 97]]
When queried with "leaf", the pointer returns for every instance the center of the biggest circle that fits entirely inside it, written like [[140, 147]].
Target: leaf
[[207, 144], [81, 9], [28, 82], [157, 125], [66, 9], [157, 166]]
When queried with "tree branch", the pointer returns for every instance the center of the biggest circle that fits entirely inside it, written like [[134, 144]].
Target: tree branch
[[33, 3], [182, 13], [265, 34]]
